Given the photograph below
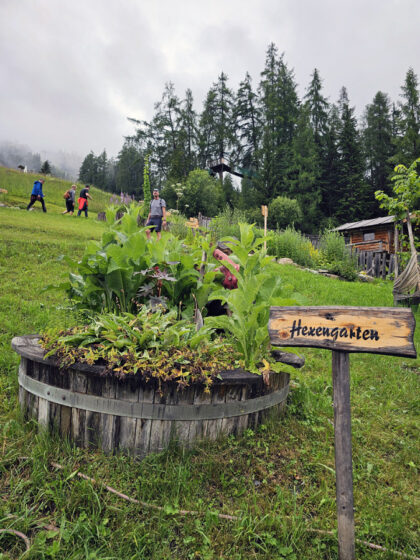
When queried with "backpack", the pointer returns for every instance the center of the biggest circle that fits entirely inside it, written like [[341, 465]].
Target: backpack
[[66, 195]]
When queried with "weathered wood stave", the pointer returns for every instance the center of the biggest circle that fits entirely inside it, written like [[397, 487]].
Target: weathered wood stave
[[137, 435]]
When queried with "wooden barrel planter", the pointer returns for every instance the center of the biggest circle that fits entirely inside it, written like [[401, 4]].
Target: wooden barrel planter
[[131, 415]]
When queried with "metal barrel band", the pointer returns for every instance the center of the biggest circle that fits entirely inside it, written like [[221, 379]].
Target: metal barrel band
[[146, 410]]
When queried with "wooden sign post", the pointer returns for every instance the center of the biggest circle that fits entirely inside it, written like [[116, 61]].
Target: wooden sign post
[[377, 330], [264, 212]]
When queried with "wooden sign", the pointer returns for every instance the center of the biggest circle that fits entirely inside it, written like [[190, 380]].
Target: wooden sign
[[264, 210], [378, 330]]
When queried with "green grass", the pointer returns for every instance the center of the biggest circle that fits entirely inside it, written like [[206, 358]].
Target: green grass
[[278, 480], [19, 187]]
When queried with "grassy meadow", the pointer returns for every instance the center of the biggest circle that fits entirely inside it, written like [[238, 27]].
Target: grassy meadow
[[277, 481], [19, 187]]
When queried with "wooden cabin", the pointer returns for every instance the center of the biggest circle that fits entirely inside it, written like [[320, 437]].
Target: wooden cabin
[[376, 235], [370, 235]]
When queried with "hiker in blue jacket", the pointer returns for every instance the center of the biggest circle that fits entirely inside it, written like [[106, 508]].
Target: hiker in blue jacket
[[37, 194]]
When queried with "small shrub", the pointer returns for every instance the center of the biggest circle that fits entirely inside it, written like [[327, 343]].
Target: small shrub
[[226, 223], [254, 216], [291, 244], [336, 257], [283, 212]]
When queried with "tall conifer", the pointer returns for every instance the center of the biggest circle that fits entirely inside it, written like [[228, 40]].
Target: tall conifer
[[378, 147]]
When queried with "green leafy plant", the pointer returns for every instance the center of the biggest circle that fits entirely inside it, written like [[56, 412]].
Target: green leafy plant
[[259, 287], [335, 256], [147, 195], [291, 244], [151, 344], [123, 271]]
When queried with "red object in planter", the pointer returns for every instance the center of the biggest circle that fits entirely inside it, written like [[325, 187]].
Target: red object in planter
[[230, 282]]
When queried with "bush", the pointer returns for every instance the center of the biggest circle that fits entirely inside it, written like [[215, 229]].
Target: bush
[[226, 223], [291, 244], [176, 224], [254, 216], [283, 212], [335, 256]]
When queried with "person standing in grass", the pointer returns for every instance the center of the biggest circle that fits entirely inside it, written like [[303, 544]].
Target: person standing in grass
[[83, 201], [70, 200], [157, 214], [37, 194]]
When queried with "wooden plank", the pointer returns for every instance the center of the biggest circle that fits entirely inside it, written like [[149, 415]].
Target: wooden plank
[[343, 452], [376, 265], [43, 405], [182, 427], [33, 371], [162, 431], [378, 330], [55, 380], [128, 392], [107, 425], [369, 266], [201, 397], [78, 416], [93, 419], [65, 412], [230, 425], [146, 393]]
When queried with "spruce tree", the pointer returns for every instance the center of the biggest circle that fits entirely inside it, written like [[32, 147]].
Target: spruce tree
[[129, 169], [247, 123], [188, 131], [353, 202], [46, 168], [216, 125], [408, 141], [378, 147], [330, 166], [88, 169], [302, 181], [279, 110], [318, 108]]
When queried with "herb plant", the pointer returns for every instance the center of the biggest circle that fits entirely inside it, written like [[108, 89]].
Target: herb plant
[[151, 344], [259, 287]]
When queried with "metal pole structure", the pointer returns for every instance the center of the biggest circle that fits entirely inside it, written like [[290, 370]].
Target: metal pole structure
[[343, 459]]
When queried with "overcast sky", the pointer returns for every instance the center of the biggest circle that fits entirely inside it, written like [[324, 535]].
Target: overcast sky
[[73, 70]]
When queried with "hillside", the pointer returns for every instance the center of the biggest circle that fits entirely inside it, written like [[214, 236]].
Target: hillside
[[19, 187], [274, 485]]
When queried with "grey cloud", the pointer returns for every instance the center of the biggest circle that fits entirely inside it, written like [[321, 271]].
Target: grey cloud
[[73, 71]]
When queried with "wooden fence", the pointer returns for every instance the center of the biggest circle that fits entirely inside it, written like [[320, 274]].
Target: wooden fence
[[376, 263]]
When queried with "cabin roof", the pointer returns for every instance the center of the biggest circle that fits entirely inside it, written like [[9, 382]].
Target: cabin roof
[[365, 223]]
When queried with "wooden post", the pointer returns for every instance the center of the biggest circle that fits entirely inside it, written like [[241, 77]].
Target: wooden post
[[377, 330], [343, 460], [264, 212]]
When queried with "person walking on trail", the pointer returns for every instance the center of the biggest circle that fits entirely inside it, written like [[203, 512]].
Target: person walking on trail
[[83, 201], [37, 194], [70, 197], [157, 214]]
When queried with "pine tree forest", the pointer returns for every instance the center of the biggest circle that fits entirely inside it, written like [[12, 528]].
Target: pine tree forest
[[312, 151]]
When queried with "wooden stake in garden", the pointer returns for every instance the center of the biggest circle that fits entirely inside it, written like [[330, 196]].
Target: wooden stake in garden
[[264, 212], [376, 330]]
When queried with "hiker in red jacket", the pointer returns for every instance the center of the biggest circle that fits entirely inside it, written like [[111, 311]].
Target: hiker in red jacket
[[83, 201]]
